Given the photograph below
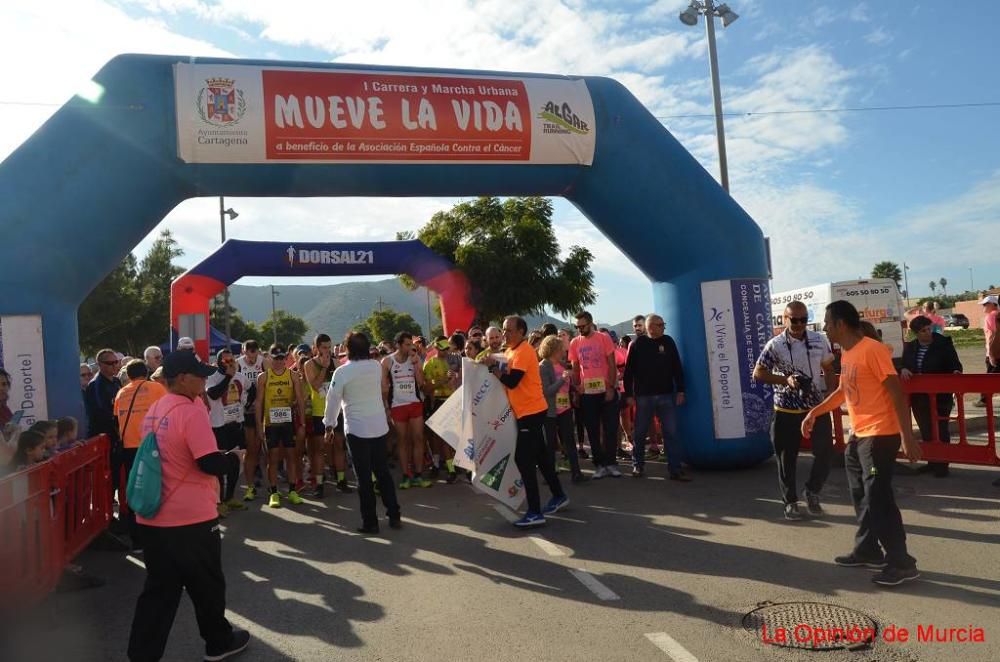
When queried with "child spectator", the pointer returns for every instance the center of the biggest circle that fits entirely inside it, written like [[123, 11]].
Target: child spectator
[[49, 432], [30, 450], [67, 431]]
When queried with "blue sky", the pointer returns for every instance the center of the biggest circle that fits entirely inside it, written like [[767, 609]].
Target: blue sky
[[836, 191]]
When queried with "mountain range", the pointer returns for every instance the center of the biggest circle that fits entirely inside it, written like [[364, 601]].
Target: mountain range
[[335, 309]]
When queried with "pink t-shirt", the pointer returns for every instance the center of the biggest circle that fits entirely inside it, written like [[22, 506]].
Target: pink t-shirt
[[562, 396], [592, 354], [189, 494], [989, 328]]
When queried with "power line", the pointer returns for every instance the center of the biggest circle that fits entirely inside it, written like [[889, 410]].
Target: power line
[[849, 109]]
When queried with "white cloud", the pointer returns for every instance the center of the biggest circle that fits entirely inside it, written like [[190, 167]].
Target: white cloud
[[68, 43], [818, 235], [878, 37]]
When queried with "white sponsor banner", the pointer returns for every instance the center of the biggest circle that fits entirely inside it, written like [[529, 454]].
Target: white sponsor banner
[[484, 435], [250, 114], [22, 355], [737, 325]]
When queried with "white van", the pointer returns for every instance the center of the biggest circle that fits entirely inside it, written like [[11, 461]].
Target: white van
[[877, 300]]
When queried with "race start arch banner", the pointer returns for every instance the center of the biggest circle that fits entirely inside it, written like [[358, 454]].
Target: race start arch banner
[[737, 316], [478, 423], [246, 114]]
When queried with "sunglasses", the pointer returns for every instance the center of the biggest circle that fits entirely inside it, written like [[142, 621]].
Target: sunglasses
[[115, 362], [798, 320], [581, 327]]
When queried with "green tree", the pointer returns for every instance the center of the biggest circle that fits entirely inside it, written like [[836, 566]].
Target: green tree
[[290, 329], [887, 269], [385, 324], [106, 317], [944, 285], [156, 272], [933, 286], [509, 252]]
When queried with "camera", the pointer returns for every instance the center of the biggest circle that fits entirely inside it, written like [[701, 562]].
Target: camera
[[803, 384]]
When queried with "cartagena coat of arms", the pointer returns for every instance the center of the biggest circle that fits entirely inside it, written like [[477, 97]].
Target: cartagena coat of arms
[[220, 102]]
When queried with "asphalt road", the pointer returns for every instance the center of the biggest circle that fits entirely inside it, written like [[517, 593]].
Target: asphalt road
[[633, 570]]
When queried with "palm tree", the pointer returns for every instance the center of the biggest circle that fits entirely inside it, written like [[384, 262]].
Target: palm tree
[[933, 286], [887, 269], [944, 285]]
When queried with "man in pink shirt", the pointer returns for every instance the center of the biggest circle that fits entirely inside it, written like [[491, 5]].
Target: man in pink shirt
[[596, 376], [989, 304], [183, 548]]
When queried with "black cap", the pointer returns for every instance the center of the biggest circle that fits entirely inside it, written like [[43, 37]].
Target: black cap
[[179, 363], [277, 352], [304, 348]]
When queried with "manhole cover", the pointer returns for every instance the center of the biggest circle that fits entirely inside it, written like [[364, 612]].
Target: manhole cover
[[811, 626]]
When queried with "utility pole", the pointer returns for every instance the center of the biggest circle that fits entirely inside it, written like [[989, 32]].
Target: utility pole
[[274, 314], [379, 302]]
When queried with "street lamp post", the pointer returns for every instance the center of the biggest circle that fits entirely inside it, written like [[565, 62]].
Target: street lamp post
[[689, 17], [906, 283], [972, 286], [223, 212], [274, 314]]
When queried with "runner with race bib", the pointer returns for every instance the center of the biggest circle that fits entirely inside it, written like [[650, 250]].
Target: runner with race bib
[[403, 377], [278, 392]]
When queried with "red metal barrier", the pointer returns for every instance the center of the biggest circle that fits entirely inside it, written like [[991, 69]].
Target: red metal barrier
[[49, 514], [960, 450]]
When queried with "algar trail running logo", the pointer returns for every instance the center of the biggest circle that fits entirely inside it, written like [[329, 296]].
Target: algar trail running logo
[[220, 102], [560, 118]]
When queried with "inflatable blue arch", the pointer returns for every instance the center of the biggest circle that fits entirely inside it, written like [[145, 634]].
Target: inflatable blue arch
[[100, 174], [192, 292]]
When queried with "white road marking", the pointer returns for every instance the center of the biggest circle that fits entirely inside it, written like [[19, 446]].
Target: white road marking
[[254, 577], [669, 645], [547, 547], [424, 505], [655, 478], [596, 587], [136, 561], [505, 512]]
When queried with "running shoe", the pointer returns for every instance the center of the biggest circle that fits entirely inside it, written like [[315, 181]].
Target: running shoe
[[792, 512], [395, 523], [529, 520], [613, 471], [813, 505], [555, 504], [579, 477], [637, 472], [235, 504], [274, 501], [852, 560], [250, 493], [895, 576], [241, 639], [344, 487], [319, 492], [422, 482], [405, 483], [222, 510], [562, 465], [452, 477], [294, 498], [599, 473]]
